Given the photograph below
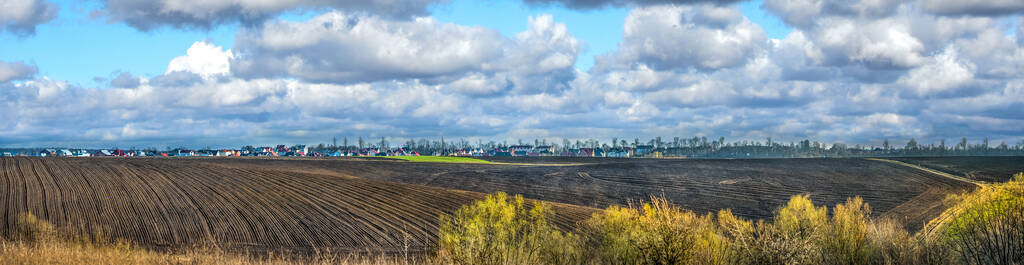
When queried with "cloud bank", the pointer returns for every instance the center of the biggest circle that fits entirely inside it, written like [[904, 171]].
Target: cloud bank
[[850, 71], [150, 14]]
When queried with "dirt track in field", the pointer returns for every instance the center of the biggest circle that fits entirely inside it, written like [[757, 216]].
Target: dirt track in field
[[348, 205], [981, 168]]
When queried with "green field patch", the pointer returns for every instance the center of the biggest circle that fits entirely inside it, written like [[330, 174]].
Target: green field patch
[[441, 159]]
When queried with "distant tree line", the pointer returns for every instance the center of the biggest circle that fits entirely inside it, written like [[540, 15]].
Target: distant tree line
[[697, 147], [694, 147]]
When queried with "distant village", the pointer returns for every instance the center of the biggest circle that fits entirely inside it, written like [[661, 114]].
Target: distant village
[[695, 147]]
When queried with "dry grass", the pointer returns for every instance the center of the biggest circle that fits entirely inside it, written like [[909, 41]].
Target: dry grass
[[39, 242], [16, 252]]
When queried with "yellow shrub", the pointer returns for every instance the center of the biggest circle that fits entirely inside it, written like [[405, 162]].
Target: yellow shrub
[[988, 225], [655, 233], [790, 239], [497, 230], [846, 241], [800, 219]]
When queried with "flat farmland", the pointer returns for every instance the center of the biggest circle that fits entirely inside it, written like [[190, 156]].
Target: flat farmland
[[983, 168], [172, 203], [381, 205], [752, 188]]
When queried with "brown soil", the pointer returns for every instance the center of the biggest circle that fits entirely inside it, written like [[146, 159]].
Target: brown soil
[[983, 168], [379, 205], [752, 188], [172, 203]]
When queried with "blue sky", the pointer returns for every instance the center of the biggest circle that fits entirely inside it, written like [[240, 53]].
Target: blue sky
[[223, 73]]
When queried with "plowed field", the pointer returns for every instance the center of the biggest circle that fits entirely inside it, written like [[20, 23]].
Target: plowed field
[[168, 203], [299, 205], [983, 168], [752, 188]]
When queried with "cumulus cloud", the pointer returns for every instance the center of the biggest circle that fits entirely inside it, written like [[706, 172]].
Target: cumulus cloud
[[892, 36], [850, 70], [593, 4], [10, 71], [946, 73], [22, 16], [146, 14], [125, 80], [883, 43], [705, 37], [204, 59], [337, 47], [861, 72], [540, 59], [973, 7], [352, 48], [805, 13], [1020, 30]]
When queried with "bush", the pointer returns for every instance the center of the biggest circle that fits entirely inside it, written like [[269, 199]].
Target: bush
[[983, 227], [894, 245], [498, 230], [791, 239], [655, 233], [846, 238], [988, 225], [804, 234]]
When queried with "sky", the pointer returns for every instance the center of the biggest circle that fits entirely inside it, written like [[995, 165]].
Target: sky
[[178, 73]]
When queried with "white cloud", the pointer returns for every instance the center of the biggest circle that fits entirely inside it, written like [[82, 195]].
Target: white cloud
[[706, 37], [973, 7], [861, 71], [336, 47], [703, 93], [807, 13], [946, 73], [22, 16], [639, 111], [16, 71], [344, 49], [593, 4], [542, 58], [149, 14], [879, 43], [204, 59]]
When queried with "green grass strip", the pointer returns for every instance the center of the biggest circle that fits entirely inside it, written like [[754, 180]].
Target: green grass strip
[[441, 159]]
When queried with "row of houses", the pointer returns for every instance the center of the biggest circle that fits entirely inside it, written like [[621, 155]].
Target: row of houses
[[87, 153], [302, 150], [545, 150]]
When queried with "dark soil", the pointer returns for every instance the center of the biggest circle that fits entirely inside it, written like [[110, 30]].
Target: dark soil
[[752, 188], [983, 168]]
